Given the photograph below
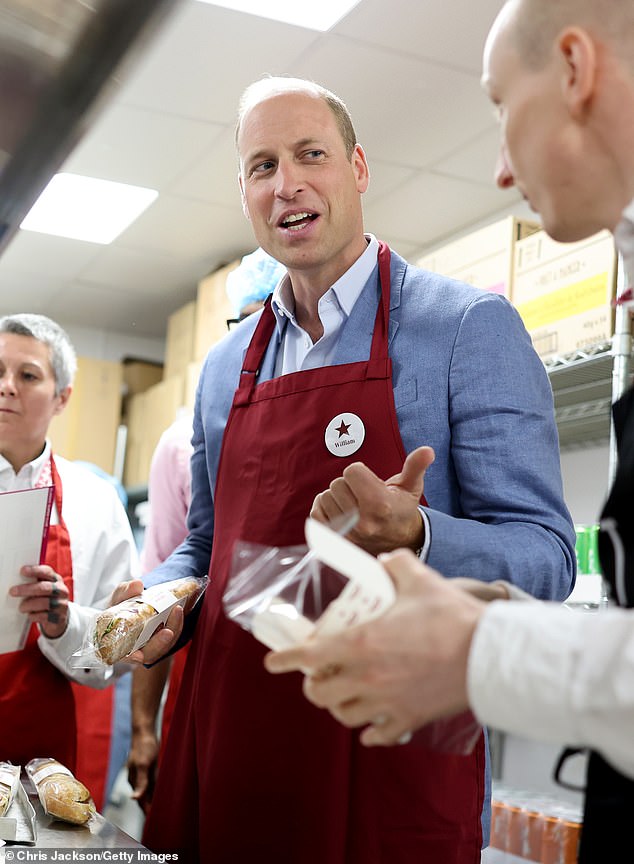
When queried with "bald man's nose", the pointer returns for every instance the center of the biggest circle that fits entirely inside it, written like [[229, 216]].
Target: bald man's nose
[[503, 174]]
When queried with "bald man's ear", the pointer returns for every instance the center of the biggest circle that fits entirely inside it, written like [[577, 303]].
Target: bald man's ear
[[243, 197], [579, 53]]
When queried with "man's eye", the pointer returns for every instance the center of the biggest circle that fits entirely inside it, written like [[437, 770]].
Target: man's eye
[[262, 167], [315, 154]]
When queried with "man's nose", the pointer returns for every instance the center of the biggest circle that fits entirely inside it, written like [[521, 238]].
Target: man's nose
[[287, 180], [503, 172]]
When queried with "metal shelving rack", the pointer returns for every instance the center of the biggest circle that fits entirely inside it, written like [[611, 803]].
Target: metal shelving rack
[[586, 382]]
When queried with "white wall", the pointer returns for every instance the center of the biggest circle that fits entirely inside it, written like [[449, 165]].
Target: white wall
[[106, 345]]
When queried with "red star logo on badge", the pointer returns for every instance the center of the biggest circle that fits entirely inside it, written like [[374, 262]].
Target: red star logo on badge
[[342, 429]]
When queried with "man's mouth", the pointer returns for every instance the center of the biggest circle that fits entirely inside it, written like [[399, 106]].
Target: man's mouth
[[297, 221]]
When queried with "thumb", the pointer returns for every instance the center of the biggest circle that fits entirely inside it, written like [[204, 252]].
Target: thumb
[[412, 476], [126, 590], [407, 572]]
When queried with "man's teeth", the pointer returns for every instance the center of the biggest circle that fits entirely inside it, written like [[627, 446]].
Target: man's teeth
[[295, 217]]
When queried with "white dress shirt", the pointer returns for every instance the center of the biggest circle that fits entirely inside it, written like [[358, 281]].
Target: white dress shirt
[[297, 350], [544, 671], [103, 552]]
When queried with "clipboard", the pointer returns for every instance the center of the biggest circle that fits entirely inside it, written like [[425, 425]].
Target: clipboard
[[25, 517]]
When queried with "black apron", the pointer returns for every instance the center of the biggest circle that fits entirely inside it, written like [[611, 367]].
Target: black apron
[[609, 800]]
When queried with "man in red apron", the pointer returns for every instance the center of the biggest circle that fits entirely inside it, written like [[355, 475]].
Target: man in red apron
[[290, 399], [43, 712]]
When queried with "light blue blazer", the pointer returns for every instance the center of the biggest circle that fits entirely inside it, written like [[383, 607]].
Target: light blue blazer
[[468, 383]]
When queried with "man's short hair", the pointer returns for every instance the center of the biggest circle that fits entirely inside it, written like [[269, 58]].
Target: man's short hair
[[271, 85]]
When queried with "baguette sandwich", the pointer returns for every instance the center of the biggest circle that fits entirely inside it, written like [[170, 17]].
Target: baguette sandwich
[[118, 628], [61, 794], [9, 778]]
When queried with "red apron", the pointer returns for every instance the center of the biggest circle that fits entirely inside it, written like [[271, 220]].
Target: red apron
[[173, 686], [253, 771], [42, 713]]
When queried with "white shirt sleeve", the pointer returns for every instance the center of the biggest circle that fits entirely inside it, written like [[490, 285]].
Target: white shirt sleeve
[[547, 672], [103, 554]]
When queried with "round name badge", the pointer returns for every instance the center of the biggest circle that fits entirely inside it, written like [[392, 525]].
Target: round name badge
[[344, 434]]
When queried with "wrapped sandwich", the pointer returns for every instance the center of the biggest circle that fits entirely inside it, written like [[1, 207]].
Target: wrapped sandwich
[[9, 779], [124, 628], [61, 794]]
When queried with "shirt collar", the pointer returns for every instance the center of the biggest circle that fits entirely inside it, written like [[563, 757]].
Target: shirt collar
[[346, 289], [30, 472]]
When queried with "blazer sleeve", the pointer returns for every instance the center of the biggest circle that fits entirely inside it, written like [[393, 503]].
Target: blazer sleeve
[[507, 518]]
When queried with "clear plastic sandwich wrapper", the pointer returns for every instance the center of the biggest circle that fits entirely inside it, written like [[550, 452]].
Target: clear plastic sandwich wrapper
[[61, 795], [127, 626], [17, 816], [285, 595], [9, 780]]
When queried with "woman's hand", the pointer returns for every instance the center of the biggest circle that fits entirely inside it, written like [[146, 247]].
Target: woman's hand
[[44, 598]]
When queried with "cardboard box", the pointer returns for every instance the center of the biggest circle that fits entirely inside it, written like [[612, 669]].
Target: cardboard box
[[138, 375], [179, 344], [213, 308], [87, 428], [483, 258], [149, 414], [564, 291], [135, 421], [192, 374]]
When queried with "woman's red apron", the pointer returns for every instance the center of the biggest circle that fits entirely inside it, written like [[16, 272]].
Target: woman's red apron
[[252, 770], [42, 713]]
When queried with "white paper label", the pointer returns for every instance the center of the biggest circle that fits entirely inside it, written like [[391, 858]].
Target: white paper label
[[47, 770]]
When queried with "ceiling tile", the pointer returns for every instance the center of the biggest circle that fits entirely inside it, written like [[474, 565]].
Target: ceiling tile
[[48, 256], [199, 66], [83, 303], [184, 228], [125, 269], [431, 206], [141, 147], [452, 35], [474, 161], [213, 177], [406, 111], [26, 292]]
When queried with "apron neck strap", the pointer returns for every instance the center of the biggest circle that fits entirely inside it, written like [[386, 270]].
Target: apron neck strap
[[266, 325], [378, 351]]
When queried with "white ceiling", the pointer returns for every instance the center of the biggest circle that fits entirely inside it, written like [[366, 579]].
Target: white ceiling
[[409, 71]]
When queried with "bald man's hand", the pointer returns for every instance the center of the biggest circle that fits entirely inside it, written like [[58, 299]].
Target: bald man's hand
[[397, 672], [389, 517]]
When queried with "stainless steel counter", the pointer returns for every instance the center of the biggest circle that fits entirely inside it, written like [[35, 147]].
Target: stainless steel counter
[[51, 833]]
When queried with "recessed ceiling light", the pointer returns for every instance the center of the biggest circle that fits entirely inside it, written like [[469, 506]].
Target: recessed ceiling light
[[85, 208], [315, 16]]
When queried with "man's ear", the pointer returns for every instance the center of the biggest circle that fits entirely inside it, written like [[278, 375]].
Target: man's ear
[[243, 197], [579, 53], [361, 169], [62, 399]]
